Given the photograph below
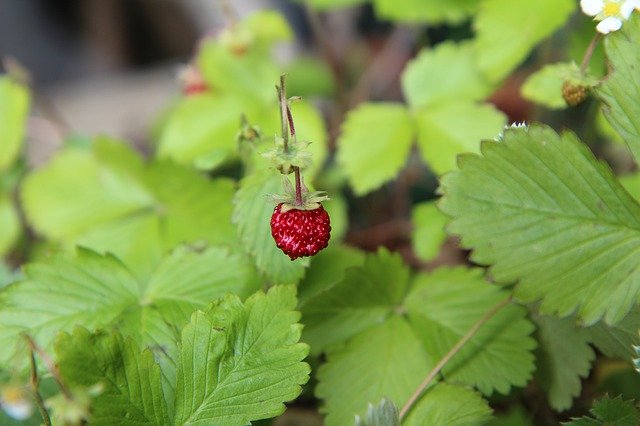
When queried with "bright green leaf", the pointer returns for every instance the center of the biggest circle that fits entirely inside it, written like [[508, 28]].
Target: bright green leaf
[[564, 357], [543, 211], [309, 76], [443, 74], [426, 11], [387, 360], [617, 341], [610, 411], [545, 86], [445, 304], [449, 129], [383, 414], [447, 405], [14, 107], [10, 226], [375, 142], [240, 363], [428, 233], [508, 29], [366, 296], [130, 380], [621, 88], [252, 214], [267, 27], [331, 4]]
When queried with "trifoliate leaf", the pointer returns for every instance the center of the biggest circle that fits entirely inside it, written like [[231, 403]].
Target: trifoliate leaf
[[366, 296], [443, 74], [447, 405], [375, 142], [9, 224], [617, 341], [622, 86], [107, 199], [426, 11], [387, 360], [98, 291], [383, 414], [442, 138], [543, 211], [130, 385], [14, 107], [564, 357], [252, 214], [428, 233], [610, 411], [508, 29], [445, 304], [240, 363], [327, 269]]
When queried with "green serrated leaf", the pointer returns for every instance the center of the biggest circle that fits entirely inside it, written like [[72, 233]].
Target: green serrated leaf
[[387, 360], [617, 341], [621, 88], [252, 214], [564, 357], [130, 380], [443, 74], [542, 210], [445, 304], [366, 296], [240, 363], [508, 29], [98, 291], [383, 414], [447, 405], [10, 225], [14, 107], [429, 11], [428, 233], [442, 137], [610, 411], [375, 142]]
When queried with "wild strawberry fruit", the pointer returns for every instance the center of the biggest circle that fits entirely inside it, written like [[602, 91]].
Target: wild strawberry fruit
[[300, 233], [574, 94]]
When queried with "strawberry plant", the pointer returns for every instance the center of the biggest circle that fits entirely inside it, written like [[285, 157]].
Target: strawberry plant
[[360, 256]]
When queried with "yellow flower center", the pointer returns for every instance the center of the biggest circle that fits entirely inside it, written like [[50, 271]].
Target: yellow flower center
[[611, 9]]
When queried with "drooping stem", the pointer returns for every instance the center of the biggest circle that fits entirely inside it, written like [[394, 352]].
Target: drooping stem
[[35, 382], [452, 352], [589, 52], [51, 367]]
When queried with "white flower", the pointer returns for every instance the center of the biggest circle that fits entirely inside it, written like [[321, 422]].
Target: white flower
[[15, 401], [610, 13]]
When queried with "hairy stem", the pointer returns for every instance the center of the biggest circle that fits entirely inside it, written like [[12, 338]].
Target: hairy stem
[[452, 352], [51, 367], [35, 382], [282, 98], [589, 52]]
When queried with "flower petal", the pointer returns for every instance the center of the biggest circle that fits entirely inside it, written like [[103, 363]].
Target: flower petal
[[609, 24], [627, 8], [592, 7]]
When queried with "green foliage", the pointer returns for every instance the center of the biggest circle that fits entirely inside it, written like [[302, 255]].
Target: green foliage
[[544, 199], [9, 223], [14, 107], [383, 414], [374, 144], [508, 29], [432, 11], [428, 233], [610, 411], [622, 86], [237, 363], [451, 406], [445, 304], [545, 86], [617, 341], [564, 357]]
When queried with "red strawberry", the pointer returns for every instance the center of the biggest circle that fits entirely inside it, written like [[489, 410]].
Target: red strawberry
[[300, 233]]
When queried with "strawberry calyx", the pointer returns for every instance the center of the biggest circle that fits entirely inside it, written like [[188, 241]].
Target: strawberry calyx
[[308, 200], [286, 158]]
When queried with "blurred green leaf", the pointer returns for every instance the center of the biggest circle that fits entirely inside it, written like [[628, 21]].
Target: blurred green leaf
[[610, 411], [267, 27], [545, 86], [621, 88], [426, 11], [387, 360], [10, 226], [14, 107], [544, 212], [564, 358], [428, 232], [617, 341], [447, 405], [375, 141], [449, 129], [508, 29], [384, 413], [252, 215], [515, 417], [331, 4], [308, 76], [446, 303], [446, 73]]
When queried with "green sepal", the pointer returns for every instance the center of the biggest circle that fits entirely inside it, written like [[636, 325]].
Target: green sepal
[[294, 156], [310, 200]]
